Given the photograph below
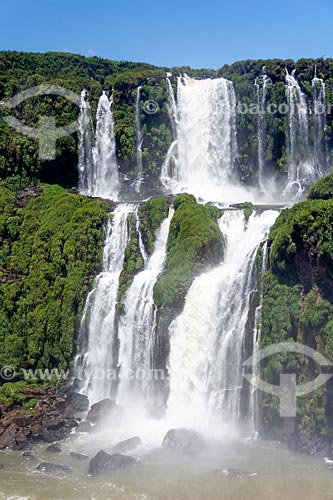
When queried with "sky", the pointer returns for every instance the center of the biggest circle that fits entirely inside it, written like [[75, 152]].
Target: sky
[[206, 33]]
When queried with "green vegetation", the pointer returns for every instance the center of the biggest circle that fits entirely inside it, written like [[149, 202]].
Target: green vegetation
[[20, 71], [322, 190], [50, 250], [298, 306], [152, 213], [194, 242]]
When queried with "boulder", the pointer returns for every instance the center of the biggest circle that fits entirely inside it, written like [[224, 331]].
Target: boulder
[[28, 454], [54, 448], [84, 427], [1, 466], [78, 456], [13, 437], [185, 441], [49, 468], [79, 402], [127, 445], [101, 409], [103, 462]]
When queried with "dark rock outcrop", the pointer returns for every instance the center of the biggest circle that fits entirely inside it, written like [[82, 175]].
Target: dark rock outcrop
[[78, 456], [127, 445], [49, 468], [54, 448], [50, 420], [184, 440], [103, 462], [84, 427], [101, 409]]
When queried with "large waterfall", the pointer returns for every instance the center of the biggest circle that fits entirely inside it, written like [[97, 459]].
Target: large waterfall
[[206, 135], [261, 88], [98, 322], [86, 139], [320, 138], [301, 166], [207, 339], [136, 327], [98, 167], [139, 140]]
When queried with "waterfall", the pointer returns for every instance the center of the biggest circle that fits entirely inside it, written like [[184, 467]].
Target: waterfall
[[172, 107], [301, 168], [168, 167], [139, 140], [207, 339], [261, 88], [320, 137], [86, 138], [100, 311], [254, 403], [206, 135], [98, 164], [136, 327]]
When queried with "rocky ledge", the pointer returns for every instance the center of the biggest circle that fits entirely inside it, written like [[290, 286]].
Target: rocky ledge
[[46, 414]]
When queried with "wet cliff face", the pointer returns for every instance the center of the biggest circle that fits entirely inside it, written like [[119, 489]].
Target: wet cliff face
[[297, 306]]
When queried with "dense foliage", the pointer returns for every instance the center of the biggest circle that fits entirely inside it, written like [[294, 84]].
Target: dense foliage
[[194, 242], [322, 190], [50, 250], [298, 307], [20, 71]]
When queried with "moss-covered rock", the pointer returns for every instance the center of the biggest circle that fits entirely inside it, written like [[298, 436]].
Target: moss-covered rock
[[50, 251], [152, 213], [194, 242], [322, 190]]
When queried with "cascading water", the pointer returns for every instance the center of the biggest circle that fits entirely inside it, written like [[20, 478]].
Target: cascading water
[[301, 167], [139, 140], [320, 137], [86, 139], [169, 166], [261, 88], [206, 135], [172, 108], [254, 403], [98, 171], [207, 339], [136, 327], [98, 323]]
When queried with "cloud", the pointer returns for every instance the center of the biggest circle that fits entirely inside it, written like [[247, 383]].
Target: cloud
[[91, 52]]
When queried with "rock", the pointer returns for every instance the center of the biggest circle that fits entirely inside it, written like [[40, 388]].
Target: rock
[[54, 448], [184, 440], [1, 466], [84, 427], [101, 409], [13, 437], [28, 454], [238, 473], [127, 445], [79, 402], [78, 456], [105, 462], [49, 468]]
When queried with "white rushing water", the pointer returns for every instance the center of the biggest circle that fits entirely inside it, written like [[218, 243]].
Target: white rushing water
[[98, 170], [86, 140], [206, 135], [207, 339], [139, 140], [301, 165], [320, 116], [254, 400], [136, 328], [98, 362], [261, 88]]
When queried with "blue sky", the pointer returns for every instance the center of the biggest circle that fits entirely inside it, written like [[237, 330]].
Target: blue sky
[[206, 33]]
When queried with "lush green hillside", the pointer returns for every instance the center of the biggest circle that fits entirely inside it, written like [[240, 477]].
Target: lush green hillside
[[19, 71]]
